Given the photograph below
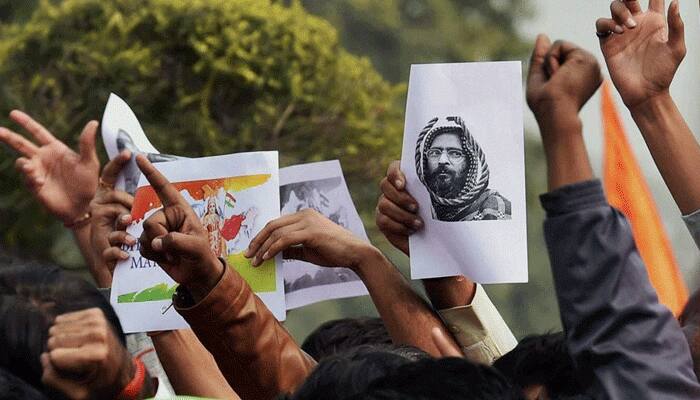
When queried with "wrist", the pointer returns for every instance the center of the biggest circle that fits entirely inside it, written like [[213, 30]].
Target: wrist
[[560, 131], [132, 383], [367, 258], [650, 107], [448, 292], [559, 123], [79, 222], [213, 269]]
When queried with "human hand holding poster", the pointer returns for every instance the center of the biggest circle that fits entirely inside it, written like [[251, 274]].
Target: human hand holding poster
[[324, 183], [320, 186], [233, 196], [463, 157]]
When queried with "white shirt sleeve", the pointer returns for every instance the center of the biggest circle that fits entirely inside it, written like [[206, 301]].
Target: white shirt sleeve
[[479, 329]]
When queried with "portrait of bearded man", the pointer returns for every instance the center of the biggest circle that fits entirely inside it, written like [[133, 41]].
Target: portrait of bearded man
[[453, 168]]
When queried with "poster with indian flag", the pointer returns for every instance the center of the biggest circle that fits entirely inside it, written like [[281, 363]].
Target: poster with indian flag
[[234, 196]]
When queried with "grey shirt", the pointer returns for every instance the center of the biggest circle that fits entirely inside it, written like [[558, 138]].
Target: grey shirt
[[692, 221], [624, 343]]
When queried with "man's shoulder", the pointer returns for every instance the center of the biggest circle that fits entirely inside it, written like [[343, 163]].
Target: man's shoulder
[[492, 206]]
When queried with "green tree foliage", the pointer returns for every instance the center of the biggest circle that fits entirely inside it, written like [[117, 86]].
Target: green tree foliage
[[211, 77], [204, 77], [397, 33], [13, 10]]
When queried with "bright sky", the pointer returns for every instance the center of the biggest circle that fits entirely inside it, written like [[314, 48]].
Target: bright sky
[[575, 21]]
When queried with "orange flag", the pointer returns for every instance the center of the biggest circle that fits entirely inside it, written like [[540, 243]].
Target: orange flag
[[627, 190]]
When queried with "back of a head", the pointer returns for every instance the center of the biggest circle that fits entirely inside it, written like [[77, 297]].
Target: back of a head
[[344, 375], [13, 388], [31, 296], [339, 335], [442, 379], [542, 360]]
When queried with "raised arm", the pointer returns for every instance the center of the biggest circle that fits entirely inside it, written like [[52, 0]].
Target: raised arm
[[256, 355], [463, 306], [562, 78], [397, 218], [84, 359], [309, 236], [642, 59], [190, 367], [624, 343], [61, 180]]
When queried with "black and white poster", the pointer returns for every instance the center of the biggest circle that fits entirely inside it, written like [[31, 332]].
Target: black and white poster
[[319, 186], [463, 157]]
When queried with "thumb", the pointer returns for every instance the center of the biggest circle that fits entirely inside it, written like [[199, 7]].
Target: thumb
[[395, 176], [537, 75], [444, 344], [539, 52], [88, 151], [51, 378], [676, 29]]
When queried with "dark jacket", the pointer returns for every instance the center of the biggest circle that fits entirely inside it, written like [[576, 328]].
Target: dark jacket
[[624, 343]]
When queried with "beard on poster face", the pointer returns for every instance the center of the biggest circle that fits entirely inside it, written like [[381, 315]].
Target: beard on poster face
[[446, 181]]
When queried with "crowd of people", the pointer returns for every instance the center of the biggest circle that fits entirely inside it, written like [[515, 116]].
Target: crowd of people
[[61, 339]]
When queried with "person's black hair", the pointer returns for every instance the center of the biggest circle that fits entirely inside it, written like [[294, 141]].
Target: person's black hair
[[346, 374], [339, 335], [442, 379], [31, 296], [13, 388], [408, 352], [542, 360]]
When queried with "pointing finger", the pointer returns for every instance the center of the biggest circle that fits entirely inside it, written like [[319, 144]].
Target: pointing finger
[[164, 189]]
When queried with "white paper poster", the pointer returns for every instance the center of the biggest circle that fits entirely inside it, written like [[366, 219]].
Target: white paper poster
[[463, 157], [320, 186], [121, 131], [234, 196]]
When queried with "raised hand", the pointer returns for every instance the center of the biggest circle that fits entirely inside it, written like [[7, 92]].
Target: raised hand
[[397, 211], [63, 181], [643, 49], [175, 238], [108, 209], [309, 236], [84, 358], [562, 78]]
